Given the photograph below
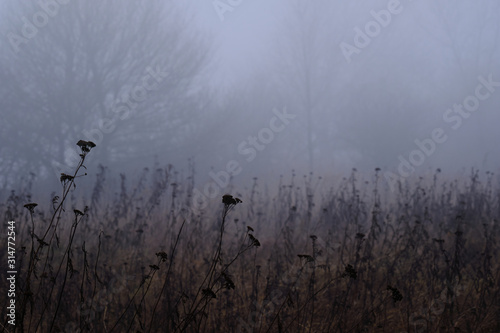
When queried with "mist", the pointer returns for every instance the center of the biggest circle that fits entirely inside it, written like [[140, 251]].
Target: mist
[[250, 166], [404, 86]]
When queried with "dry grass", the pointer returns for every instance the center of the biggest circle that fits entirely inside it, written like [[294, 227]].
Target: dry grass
[[353, 258]]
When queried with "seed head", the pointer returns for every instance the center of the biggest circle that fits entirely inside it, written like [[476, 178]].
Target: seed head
[[85, 146], [31, 207], [162, 255], [77, 212], [350, 272], [396, 295]]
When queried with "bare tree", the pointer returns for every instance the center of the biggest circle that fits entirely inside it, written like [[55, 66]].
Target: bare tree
[[304, 70], [123, 73], [470, 31], [468, 36]]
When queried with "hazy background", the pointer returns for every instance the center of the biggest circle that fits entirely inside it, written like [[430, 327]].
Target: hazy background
[[177, 81]]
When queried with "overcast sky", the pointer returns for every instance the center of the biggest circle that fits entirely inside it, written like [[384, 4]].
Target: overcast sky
[[241, 35], [370, 83]]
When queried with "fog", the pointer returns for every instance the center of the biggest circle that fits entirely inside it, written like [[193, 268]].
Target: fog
[[252, 88]]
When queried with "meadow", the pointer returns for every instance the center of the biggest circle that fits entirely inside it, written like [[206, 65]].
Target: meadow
[[134, 256]]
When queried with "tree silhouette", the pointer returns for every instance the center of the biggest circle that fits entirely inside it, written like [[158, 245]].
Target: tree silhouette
[[122, 73]]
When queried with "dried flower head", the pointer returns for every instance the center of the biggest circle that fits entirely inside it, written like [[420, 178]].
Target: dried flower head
[[31, 207], [396, 295], [228, 199], [77, 212], [64, 178], [85, 146], [207, 292], [253, 241], [307, 257], [360, 235], [350, 272], [162, 255], [227, 281]]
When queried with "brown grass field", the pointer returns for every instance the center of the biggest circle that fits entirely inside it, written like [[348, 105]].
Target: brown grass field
[[354, 257]]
